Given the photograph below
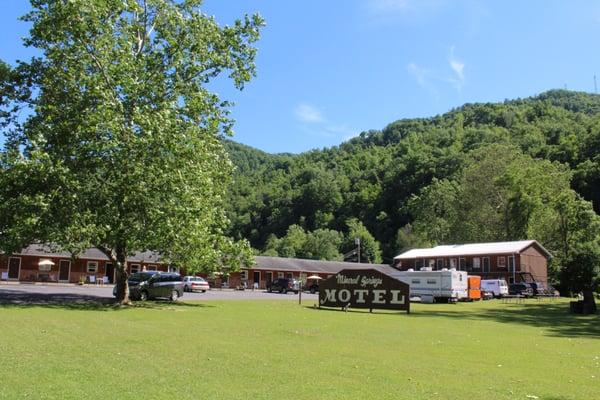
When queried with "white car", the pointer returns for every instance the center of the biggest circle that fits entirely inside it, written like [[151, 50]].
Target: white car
[[192, 283]]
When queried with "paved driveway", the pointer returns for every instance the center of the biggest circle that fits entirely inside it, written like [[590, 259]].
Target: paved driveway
[[49, 293]]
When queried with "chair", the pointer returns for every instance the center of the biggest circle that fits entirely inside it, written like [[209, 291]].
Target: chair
[[105, 280], [92, 278]]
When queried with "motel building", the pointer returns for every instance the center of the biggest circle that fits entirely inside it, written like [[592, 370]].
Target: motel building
[[39, 263], [267, 269], [518, 261]]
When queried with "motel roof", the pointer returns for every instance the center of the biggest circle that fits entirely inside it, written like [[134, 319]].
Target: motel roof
[[44, 250], [261, 262], [313, 266], [515, 247]]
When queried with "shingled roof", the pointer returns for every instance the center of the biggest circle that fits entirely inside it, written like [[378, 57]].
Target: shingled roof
[[313, 266], [44, 250]]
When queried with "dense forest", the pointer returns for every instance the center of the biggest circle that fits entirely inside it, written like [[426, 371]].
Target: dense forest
[[521, 169]]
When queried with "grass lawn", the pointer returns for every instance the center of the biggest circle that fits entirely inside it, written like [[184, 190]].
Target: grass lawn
[[260, 350]]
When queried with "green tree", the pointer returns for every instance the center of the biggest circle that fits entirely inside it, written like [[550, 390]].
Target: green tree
[[435, 211], [370, 251], [123, 148], [581, 269], [322, 244], [407, 239]]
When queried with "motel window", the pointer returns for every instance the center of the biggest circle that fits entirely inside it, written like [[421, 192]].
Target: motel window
[[151, 267], [415, 281], [92, 267], [440, 263], [244, 275], [476, 263], [462, 266], [501, 262], [135, 268], [486, 264], [280, 274], [289, 275], [418, 264], [431, 281]]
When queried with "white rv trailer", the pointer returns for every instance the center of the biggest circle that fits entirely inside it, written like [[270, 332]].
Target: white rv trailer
[[496, 286], [443, 285]]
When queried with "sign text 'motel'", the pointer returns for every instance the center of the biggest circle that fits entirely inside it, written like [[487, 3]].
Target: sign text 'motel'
[[364, 288]]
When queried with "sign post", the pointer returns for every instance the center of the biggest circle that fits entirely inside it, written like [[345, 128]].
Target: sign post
[[364, 288], [300, 289]]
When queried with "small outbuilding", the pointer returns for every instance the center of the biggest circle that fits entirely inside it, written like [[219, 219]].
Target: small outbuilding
[[517, 261]]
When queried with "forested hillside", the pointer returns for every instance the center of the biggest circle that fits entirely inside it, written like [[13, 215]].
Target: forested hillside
[[526, 168]]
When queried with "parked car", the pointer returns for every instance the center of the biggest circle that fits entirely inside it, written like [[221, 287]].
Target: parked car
[[153, 284], [283, 285], [312, 287], [191, 283], [520, 289]]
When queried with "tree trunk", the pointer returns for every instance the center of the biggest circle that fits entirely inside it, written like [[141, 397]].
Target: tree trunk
[[122, 275]]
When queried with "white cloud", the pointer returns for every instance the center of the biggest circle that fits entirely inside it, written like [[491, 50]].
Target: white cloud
[[424, 78], [315, 124], [431, 79], [308, 113], [458, 67], [419, 73]]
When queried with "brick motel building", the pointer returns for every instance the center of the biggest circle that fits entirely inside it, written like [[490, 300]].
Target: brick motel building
[[519, 261], [268, 269], [38, 263]]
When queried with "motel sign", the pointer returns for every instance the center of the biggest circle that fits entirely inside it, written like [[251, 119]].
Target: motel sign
[[364, 288]]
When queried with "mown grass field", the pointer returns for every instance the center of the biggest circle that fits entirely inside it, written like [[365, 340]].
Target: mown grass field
[[264, 350]]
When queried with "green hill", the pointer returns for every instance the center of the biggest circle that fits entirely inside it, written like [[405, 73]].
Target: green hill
[[378, 176]]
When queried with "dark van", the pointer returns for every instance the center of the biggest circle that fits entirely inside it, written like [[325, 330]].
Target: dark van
[[153, 284]]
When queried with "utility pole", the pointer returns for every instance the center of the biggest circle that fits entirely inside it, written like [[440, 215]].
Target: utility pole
[[357, 243]]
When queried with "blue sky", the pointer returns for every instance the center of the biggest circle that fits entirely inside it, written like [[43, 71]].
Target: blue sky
[[329, 69]]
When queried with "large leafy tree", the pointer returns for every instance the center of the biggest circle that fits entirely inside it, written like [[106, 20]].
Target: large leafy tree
[[122, 148]]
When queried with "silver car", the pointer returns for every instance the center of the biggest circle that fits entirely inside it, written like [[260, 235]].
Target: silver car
[[193, 283]]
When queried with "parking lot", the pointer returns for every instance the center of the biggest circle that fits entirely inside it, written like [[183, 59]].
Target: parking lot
[[37, 293]]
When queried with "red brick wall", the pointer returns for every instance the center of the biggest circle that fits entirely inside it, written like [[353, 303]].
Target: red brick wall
[[30, 270]]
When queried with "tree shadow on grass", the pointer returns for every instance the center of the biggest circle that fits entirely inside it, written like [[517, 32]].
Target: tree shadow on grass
[[553, 318], [84, 302]]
